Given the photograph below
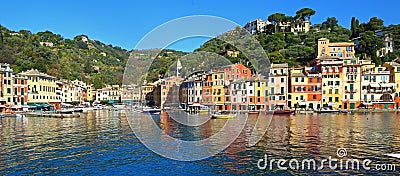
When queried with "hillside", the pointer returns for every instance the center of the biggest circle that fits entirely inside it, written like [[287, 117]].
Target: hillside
[[299, 49], [79, 58], [95, 62]]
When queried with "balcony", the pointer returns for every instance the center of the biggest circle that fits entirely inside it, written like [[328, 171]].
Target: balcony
[[376, 72], [278, 74], [372, 91], [351, 91]]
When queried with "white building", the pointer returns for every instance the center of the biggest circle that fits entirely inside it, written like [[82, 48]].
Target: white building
[[257, 25], [376, 88]]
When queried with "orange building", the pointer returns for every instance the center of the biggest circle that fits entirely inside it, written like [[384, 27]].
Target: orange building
[[207, 91]]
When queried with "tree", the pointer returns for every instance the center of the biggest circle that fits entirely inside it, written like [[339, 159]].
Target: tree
[[354, 27], [375, 24], [370, 44], [305, 14], [285, 21], [330, 22], [276, 18], [276, 57]]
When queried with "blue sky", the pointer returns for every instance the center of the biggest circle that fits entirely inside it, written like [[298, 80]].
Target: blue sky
[[124, 23]]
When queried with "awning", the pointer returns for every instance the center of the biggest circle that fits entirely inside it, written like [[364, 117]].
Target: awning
[[387, 85], [195, 104], [40, 105], [374, 85], [281, 104], [331, 104], [302, 103], [110, 101], [67, 104]]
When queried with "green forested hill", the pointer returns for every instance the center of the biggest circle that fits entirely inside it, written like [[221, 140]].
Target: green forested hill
[[299, 49], [95, 62], [78, 58]]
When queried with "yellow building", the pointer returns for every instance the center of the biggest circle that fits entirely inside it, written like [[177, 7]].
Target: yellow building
[[297, 96], [339, 49], [332, 86], [218, 92], [351, 83], [89, 92], [41, 88], [394, 68], [146, 94], [7, 83], [260, 93]]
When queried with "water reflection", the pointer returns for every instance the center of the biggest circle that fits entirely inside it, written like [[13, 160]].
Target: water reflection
[[101, 142]]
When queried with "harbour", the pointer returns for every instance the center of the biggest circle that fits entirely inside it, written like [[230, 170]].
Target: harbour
[[102, 141]]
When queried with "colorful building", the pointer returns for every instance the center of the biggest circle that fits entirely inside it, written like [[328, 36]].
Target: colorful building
[[278, 86], [297, 97], [314, 89], [351, 83], [338, 49], [20, 91], [331, 70], [394, 69], [218, 91], [260, 94], [377, 91], [7, 83], [41, 89], [207, 97]]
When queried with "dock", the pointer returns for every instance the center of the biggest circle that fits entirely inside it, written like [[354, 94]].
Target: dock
[[51, 115]]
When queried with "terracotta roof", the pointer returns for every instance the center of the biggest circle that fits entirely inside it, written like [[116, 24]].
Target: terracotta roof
[[35, 72], [298, 75], [284, 65], [342, 44]]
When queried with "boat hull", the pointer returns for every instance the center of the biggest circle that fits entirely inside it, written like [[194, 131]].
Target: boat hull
[[283, 112]]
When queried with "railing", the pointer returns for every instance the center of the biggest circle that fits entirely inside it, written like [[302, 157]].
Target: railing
[[380, 91], [375, 72], [351, 91], [377, 101]]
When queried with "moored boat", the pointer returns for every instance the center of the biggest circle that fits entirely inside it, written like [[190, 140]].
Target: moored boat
[[284, 112], [151, 110], [65, 111], [326, 110], [222, 115]]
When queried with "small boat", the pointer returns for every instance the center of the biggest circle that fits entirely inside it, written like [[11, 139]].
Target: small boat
[[284, 112], [118, 106], [204, 109], [254, 112], [327, 110], [19, 115], [344, 111], [65, 111], [151, 110], [222, 115]]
